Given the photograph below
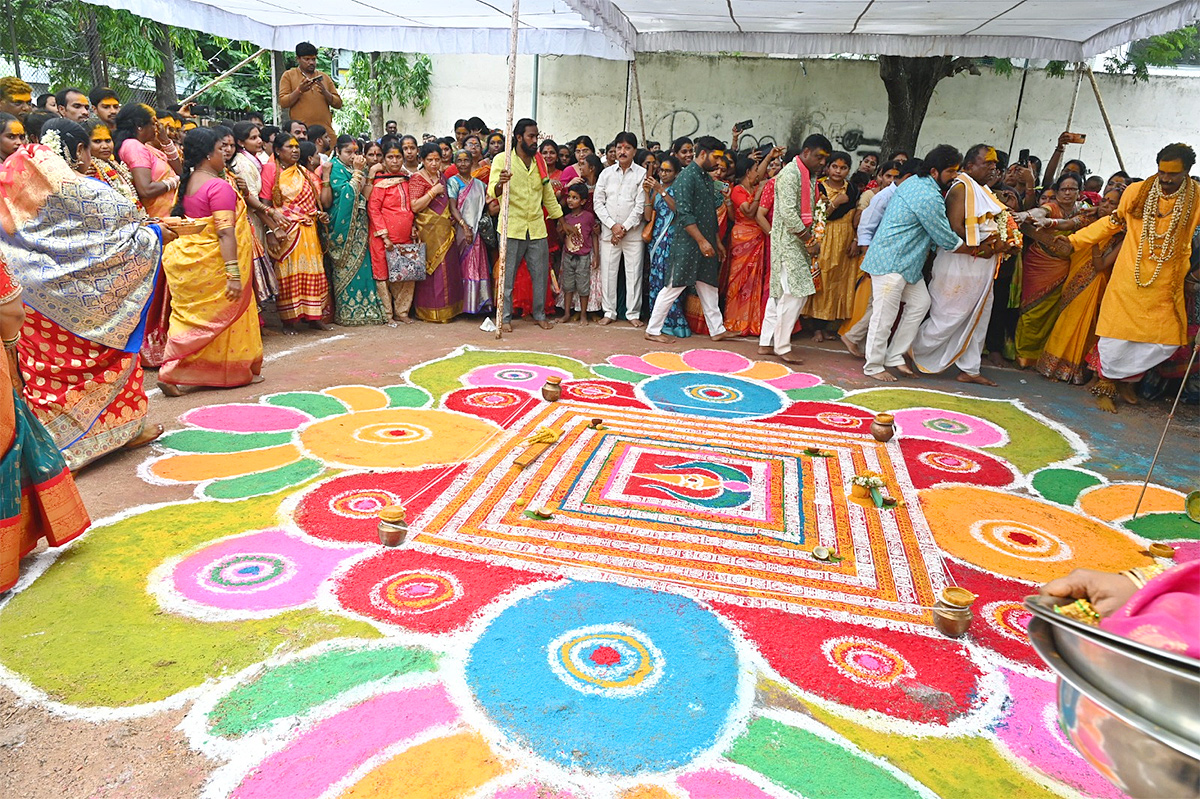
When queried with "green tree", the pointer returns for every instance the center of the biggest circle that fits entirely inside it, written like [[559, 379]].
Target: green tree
[[375, 79]]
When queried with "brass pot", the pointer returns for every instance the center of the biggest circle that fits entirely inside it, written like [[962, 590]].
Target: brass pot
[[883, 427], [552, 390], [393, 526], [952, 622]]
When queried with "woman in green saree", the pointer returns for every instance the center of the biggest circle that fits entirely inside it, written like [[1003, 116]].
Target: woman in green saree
[[355, 301]]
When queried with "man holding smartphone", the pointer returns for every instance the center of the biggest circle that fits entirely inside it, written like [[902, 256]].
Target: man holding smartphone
[[309, 95]]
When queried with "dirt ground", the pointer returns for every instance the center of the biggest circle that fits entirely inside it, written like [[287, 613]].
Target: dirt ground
[[45, 756]]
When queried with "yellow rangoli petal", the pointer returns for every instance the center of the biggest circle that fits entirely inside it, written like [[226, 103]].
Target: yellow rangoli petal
[[359, 398], [196, 468]]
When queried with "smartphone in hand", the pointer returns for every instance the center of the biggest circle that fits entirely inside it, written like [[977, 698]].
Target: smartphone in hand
[[742, 127]]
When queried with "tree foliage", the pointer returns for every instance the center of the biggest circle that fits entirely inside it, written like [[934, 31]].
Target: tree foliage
[[376, 79], [1178, 48]]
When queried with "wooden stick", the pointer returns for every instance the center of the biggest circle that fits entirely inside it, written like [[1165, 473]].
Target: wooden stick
[[637, 90], [221, 77], [1104, 115], [1075, 97], [1170, 416], [501, 299]]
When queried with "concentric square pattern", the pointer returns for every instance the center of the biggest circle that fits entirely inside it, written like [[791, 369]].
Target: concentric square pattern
[[729, 509]]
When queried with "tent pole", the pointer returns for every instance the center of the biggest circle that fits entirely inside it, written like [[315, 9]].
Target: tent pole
[[1075, 97], [221, 77], [1170, 416], [274, 92], [637, 90], [501, 267], [1104, 115], [1017, 116], [628, 94], [534, 99]]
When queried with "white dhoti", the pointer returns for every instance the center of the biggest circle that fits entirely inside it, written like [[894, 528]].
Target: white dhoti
[[1121, 359], [960, 305], [780, 315]]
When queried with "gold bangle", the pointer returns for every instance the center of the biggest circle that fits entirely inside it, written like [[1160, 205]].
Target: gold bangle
[[11, 343], [1134, 577]]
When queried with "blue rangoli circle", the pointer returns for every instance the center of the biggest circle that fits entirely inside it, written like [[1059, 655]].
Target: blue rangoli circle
[[607, 679], [712, 395]]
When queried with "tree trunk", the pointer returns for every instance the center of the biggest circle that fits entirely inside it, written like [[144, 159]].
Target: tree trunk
[[164, 81], [376, 109], [89, 28], [910, 83]]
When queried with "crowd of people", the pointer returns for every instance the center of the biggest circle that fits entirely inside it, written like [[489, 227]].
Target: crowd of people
[[138, 238]]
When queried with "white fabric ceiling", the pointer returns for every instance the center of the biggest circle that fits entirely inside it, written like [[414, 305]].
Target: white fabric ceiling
[[1055, 29]]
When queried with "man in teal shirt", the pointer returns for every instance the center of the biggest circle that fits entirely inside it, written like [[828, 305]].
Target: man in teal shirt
[[915, 222]]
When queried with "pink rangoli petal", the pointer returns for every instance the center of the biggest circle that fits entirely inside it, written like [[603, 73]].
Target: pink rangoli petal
[[532, 790], [715, 361], [636, 364], [795, 380], [715, 784], [320, 757], [245, 418]]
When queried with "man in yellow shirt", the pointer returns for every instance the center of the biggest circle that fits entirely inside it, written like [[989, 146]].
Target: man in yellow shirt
[[529, 192], [309, 95]]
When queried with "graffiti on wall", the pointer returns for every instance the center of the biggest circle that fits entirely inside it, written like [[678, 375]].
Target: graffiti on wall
[[679, 122]]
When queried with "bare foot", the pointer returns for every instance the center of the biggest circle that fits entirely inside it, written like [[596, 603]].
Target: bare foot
[[659, 337], [169, 389], [996, 358], [1128, 393], [636, 323], [1106, 404], [980, 379], [907, 371], [317, 324], [724, 335], [289, 329], [604, 321], [407, 320], [584, 322], [543, 324], [257, 379], [788, 357], [148, 434], [884, 377], [1025, 363], [573, 317], [851, 347], [765, 350], [506, 327], [819, 336]]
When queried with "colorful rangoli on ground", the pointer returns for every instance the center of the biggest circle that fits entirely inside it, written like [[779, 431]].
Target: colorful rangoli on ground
[[668, 632]]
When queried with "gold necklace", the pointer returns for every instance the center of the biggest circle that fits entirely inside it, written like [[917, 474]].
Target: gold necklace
[[1160, 247]]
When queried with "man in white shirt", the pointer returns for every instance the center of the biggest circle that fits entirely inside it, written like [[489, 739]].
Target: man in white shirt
[[619, 202]]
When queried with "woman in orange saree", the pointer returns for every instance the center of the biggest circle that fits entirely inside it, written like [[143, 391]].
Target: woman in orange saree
[[38, 498], [87, 283], [296, 250], [214, 337], [747, 257]]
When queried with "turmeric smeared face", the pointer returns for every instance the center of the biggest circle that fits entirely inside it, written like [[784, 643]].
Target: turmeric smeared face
[[101, 143]]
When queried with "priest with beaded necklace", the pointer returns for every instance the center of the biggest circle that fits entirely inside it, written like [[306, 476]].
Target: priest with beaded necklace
[[1142, 319]]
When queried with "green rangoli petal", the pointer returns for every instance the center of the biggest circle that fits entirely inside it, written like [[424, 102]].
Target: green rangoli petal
[[816, 393], [316, 405], [610, 372], [216, 441], [253, 485], [1164, 526], [406, 396], [298, 686], [1063, 485]]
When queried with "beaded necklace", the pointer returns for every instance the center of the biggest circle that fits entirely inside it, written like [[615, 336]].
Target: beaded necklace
[[1160, 247]]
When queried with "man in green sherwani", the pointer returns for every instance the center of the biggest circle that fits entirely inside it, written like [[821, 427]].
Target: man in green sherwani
[[792, 246], [696, 249]]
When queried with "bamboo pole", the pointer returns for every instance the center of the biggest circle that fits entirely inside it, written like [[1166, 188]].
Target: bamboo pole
[[637, 90], [221, 77], [502, 267], [1075, 97], [1112, 137]]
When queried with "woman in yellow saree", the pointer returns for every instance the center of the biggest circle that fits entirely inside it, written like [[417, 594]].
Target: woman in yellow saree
[[213, 339], [439, 297], [296, 249]]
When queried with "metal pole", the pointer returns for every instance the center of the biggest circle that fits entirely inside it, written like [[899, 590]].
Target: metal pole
[[533, 103], [1170, 416], [12, 36], [637, 90], [502, 267], [221, 77], [628, 94], [1017, 116], [1075, 97], [275, 111], [1104, 115]]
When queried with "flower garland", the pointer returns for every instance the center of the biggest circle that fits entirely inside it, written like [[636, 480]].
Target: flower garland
[[1160, 247]]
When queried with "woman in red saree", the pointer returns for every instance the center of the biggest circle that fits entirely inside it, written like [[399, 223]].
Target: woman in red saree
[[391, 225], [38, 498], [747, 256], [87, 282], [439, 295]]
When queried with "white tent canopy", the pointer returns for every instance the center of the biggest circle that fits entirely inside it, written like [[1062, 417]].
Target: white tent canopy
[[1070, 30]]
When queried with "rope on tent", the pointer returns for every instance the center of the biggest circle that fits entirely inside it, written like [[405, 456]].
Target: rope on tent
[[502, 267]]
